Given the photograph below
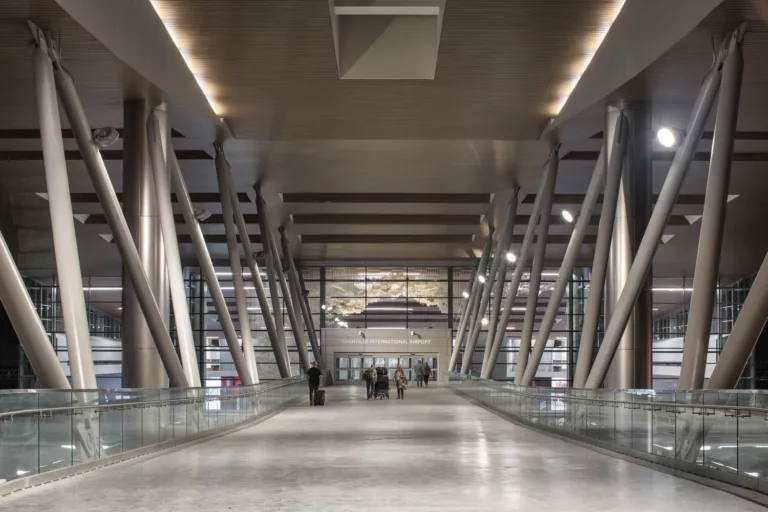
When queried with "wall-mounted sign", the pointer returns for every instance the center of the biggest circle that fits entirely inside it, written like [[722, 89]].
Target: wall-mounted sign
[[382, 341]]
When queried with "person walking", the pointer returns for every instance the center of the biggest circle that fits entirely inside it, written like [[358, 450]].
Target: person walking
[[313, 378], [401, 381], [369, 376], [427, 373], [418, 373]]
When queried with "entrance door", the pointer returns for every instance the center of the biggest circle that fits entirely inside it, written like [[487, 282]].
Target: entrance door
[[350, 367]]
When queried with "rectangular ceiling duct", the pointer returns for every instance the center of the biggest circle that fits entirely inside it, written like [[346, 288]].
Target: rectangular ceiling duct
[[387, 39]]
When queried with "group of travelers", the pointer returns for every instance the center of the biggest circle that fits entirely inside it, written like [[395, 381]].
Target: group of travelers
[[377, 380]]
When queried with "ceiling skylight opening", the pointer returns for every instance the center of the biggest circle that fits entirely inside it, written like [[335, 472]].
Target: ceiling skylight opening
[[591, 44], [183, 44]]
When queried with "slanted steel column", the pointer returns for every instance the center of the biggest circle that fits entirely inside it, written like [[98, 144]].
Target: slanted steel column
[[305, 295], [498, 294], [62, 223], [142, 365], [548, 180], [245, 361], [711, 237], [476, 314], [204, 257], [269, 323], [493, 317], [34, 340], [464, 319], [535, 283], [298, 336], [659, 218], [566, 268], [631, 366], [616, 142], [743, 338], [108, 200], [274, 294], [501, 248], [159, 146], [298, 285]]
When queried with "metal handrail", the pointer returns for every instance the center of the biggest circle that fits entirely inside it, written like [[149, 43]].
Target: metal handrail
[[48, 411], [745, 408]]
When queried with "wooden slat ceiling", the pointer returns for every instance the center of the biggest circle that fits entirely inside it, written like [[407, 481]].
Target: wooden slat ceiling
[[361, 170], [500, 65]]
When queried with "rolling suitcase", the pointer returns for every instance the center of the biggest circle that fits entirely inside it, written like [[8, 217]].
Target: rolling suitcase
[[320, 397]]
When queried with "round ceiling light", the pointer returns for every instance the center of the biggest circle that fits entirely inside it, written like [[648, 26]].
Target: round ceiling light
[[667, 137]]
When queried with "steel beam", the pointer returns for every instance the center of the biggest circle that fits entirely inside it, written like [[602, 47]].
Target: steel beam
[[548, 179], [526, 339], [476, 313], [301, 344], [159, 147], [201, 251], [298, 285], [711, 237], [566, 268], [70, 279], [655, 229], [616, 156], [108, 200]]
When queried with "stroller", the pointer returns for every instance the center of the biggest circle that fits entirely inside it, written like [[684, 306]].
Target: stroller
[[382, 384]]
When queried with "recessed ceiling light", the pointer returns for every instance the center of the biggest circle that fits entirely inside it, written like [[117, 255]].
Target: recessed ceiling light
[[484, 321], [568, 216], [481, 278], [465, 294], [511, 257], [667, 137]]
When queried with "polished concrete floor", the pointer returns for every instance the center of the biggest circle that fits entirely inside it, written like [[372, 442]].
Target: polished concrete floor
[[433, 451]]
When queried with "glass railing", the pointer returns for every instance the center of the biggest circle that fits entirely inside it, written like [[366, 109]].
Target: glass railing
[[718, 434], [41, 431]]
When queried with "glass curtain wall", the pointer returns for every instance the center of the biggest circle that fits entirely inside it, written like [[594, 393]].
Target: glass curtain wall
[[671, 305], [389, 298]]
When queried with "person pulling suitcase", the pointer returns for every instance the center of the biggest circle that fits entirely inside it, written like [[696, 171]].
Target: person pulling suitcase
[[314, 375]]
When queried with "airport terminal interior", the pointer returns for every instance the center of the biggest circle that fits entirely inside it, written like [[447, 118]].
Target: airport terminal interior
[[384, 254]]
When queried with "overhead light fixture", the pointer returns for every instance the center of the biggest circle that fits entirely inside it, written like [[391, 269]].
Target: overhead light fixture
[[481, 278], [484, 321], [511, 257], [568, 216], [323, 307], [669, 137], [672, 289], [606, 18], [465, 294], [655, 309], [102, 288], [182, 41]]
